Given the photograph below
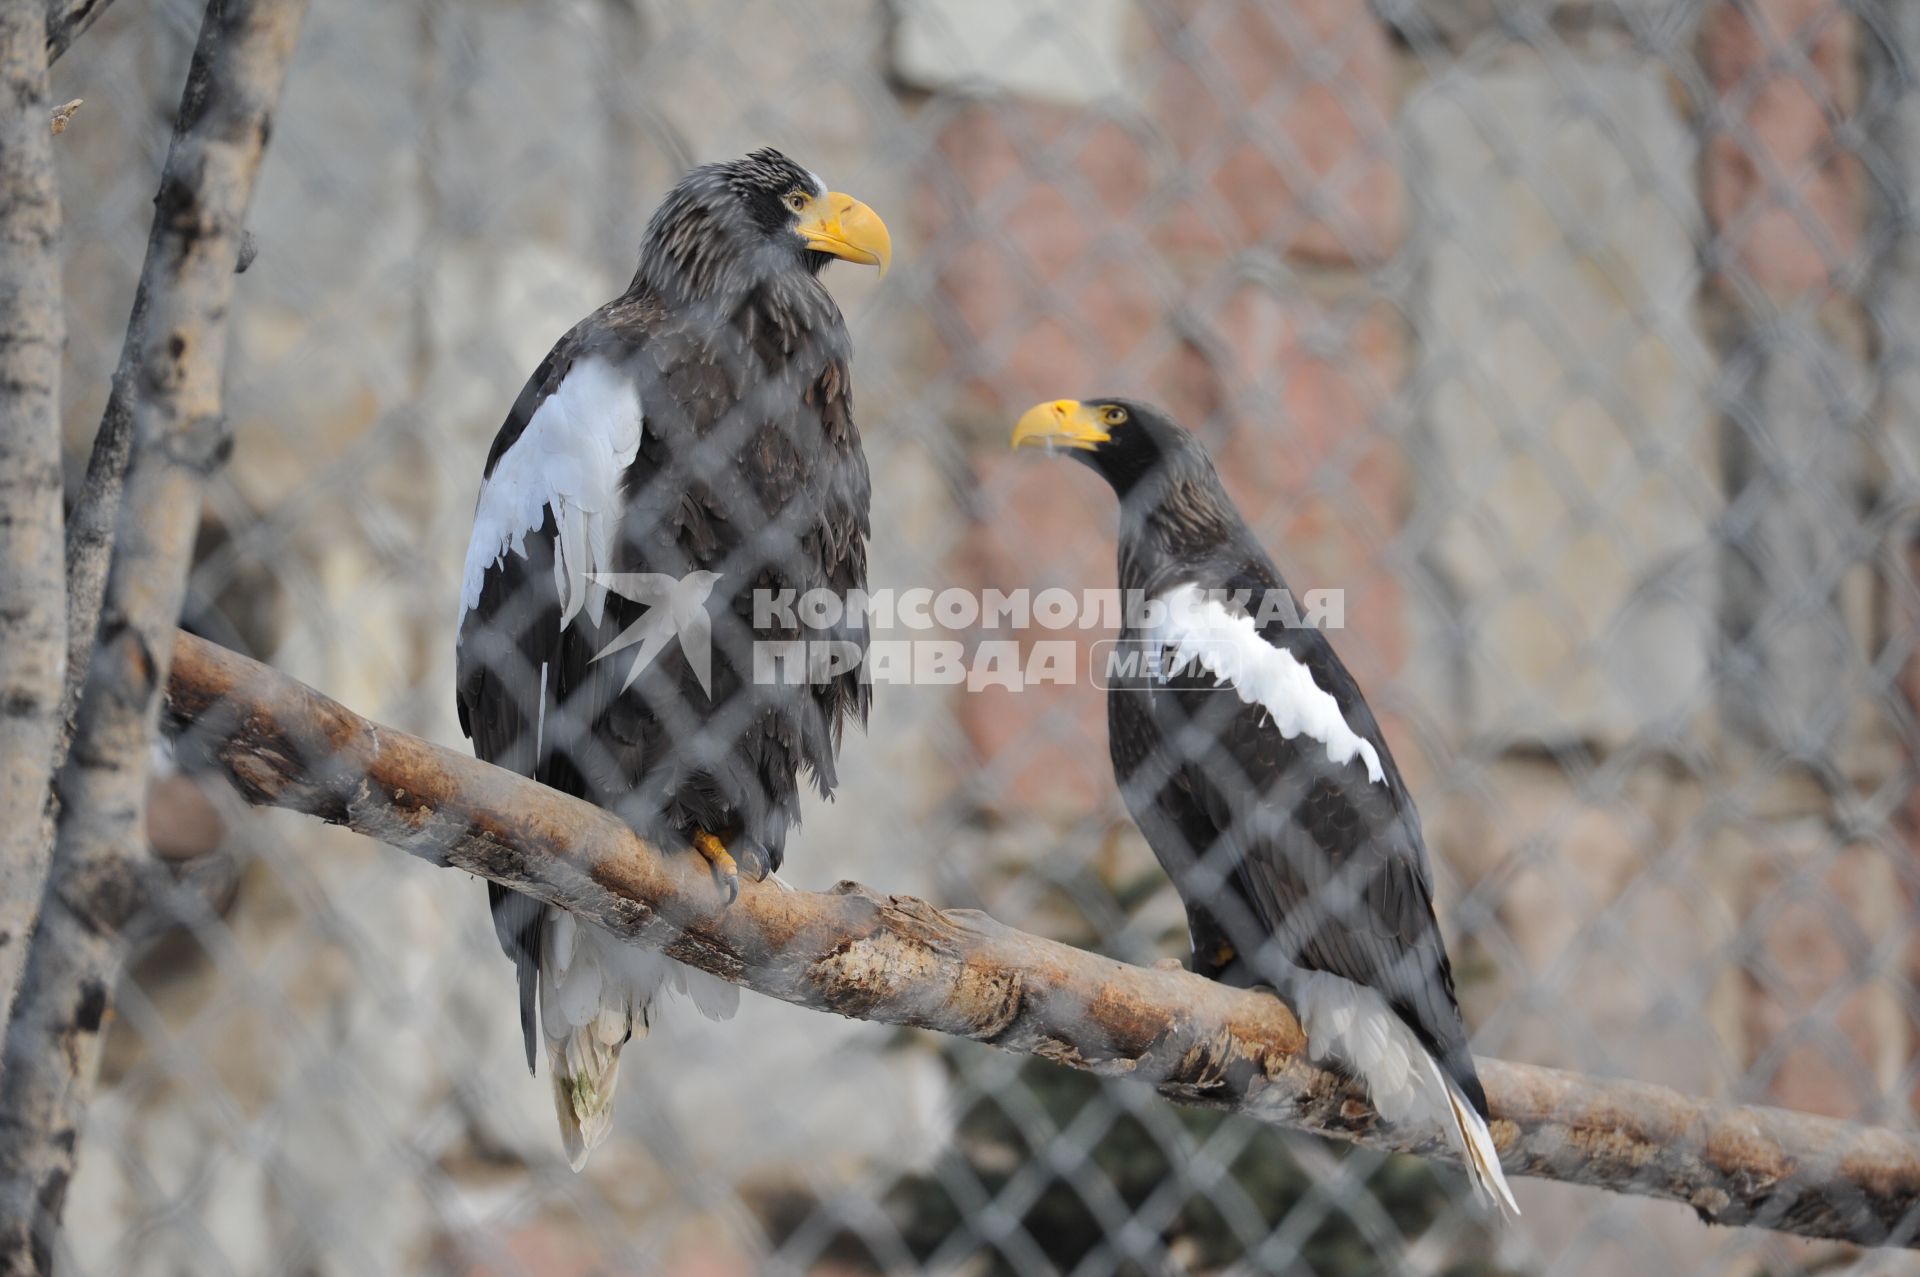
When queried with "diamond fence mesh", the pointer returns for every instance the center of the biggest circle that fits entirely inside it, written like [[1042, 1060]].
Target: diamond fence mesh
[[1572, 343]]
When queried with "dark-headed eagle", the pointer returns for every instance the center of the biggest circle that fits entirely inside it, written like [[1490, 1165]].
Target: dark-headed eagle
[[686, 446], [1249, 759]]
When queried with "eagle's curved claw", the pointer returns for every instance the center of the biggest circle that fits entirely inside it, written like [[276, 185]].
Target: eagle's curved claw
[[726, 874], [753, 861]]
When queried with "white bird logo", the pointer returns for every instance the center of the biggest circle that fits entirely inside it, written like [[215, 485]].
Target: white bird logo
[[676, 608]]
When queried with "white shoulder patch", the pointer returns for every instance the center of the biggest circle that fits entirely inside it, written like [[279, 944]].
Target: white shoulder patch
[[1204, 634], [571, 457]]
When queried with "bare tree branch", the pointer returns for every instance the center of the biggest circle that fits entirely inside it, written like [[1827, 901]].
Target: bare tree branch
[[33, 640], [900, 961], [91, 526], [178, 438], [67, 21], [89, 545]]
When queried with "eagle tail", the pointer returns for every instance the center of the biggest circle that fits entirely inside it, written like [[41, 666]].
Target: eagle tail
[[1475, 1143], [587, 1013], [584, 1067], [596, 992], [1354, 1024]]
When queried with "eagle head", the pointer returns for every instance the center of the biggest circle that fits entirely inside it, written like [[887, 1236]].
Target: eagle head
[[1125, 440], [733, 224]]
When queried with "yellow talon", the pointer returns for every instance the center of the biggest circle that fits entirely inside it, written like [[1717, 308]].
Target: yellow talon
[[726, 874]]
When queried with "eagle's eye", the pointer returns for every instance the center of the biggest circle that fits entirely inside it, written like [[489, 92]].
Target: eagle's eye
[[1113, 416], [797, 201]]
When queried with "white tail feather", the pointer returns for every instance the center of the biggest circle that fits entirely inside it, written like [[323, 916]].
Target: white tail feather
[[1477, 1151], [596, 992], [712, 996], [1354, 1024], [584, 1071]]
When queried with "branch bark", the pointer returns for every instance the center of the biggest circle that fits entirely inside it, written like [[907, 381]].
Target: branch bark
[[96, 510], [897, 960], [67, 21], [178, 437], [33, 641]]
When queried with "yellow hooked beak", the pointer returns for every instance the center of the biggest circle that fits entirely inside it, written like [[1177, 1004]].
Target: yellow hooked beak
[[1065, 422], [843, 227]]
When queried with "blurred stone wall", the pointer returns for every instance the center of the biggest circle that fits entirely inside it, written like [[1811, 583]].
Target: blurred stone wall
[[1543, 331], [1547, 330]]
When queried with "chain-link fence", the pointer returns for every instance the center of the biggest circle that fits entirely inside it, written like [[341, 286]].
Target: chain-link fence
[[1572, 342]]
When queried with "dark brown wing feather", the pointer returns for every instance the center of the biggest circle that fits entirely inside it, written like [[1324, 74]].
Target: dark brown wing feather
[[1278, 849], [749, 466]]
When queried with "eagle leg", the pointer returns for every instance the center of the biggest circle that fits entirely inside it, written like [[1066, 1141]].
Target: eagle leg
[[1213, 961], [726, 874]]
